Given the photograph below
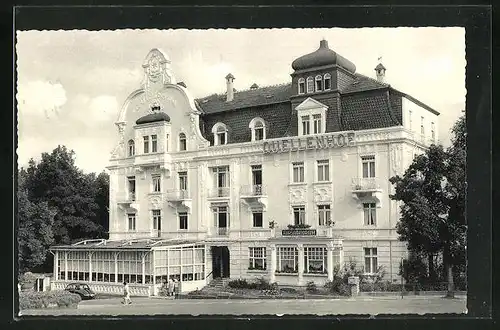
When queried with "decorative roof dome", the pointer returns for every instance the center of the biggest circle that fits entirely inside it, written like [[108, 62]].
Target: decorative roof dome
[[323, 56], [380, 66], [153, 117]]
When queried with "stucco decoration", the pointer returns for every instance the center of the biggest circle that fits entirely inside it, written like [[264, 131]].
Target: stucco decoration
[[343, 156], [396, 158], [276, 159], [157, 68], [155, 202], [322, 193], [297, 194], [366, 149]]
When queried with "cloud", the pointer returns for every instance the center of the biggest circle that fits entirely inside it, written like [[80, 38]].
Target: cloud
[[41, 98], [96, 110]]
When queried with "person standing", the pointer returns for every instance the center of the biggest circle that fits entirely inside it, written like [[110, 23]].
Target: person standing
[[170, 287], [126, 294], [176, 288]]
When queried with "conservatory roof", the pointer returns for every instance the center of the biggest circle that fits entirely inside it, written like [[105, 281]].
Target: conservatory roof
[[129, 244]]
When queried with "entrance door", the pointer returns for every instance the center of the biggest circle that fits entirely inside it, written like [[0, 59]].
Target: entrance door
[[220, 261]]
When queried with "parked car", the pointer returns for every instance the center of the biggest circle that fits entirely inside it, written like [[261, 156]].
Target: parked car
[[81, 289]]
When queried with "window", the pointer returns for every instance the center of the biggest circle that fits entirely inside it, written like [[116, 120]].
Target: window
[[411, 119], [221, 175], [154, 143], [221, 136], [323, 215], [183, 183], [221, 217], [319, 83], [131, 188], [131, 221], [131, 148], [315, 260], [323, 170], [157, 219], [146, 144], [183, 220], [167, 143], [257, 258], [302, 86], [156, 183], [299, 215], [310, 84], [182, 142], [370, 214], [257, 219], [298, 172], [422, 129], [305, 125], [288, 259], [433, 132], [371, 260], [258, 128], [317, 129], [328, 82], [368, 166]]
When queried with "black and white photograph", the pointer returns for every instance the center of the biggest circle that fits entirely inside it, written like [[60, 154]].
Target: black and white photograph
[[241, 171]]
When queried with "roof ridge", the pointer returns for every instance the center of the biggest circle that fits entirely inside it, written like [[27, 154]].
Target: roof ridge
[[374, 80], [246, 90]]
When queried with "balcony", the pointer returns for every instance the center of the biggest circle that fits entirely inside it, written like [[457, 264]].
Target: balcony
[[178, 198], [367, 190], [127, 201], [218, 232], [254, 196], [153, 160], [219, 193]]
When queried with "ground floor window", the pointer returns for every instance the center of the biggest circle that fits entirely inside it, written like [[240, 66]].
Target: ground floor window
[[257, 258], [288, 259], [371, 260], [181, 263], [315, 259]]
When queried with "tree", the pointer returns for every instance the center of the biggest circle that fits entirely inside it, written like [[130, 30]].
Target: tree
[[101, 218], [35, 233], [58, 182], [433, 192]]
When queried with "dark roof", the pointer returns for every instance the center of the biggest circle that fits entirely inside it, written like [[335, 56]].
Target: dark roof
[[363, 83], [322, 56], [153, 117], [247, 98], [380, 66], [181, 83], [254, 86]]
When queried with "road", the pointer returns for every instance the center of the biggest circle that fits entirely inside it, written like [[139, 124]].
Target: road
[[370, 306]]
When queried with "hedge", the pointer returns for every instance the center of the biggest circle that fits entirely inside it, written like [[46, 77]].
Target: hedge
[[48, 299]]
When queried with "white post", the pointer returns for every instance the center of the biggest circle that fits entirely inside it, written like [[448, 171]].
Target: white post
[[329, 262], [116, 267], [66, 265], [205, 264], [273, 263], [90, 266], [301, 264], [144, 268], [153, 259], [56, 265]]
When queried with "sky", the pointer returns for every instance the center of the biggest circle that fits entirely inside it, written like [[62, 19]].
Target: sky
[[71, 84]]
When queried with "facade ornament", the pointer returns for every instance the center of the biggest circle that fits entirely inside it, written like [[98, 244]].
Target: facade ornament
[[343, 156], [396, 161]]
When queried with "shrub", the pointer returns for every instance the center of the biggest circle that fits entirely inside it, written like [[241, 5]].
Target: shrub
[[263, 284], [311, 287], [238, 284], [299, 226], [27, 281], [37, 300]]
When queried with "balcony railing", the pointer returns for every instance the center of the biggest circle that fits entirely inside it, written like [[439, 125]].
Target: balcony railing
[[218, 231], [127, 197], [219, 192], [365, 184], [253, 190], [177, 195]]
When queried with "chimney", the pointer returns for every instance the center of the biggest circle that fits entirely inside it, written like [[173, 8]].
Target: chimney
[[380, 71], [229, 88]]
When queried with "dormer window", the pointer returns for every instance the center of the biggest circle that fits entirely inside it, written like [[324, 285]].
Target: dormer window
[[305, 125], [154, 143], [319, 83], [310, 85], [131, 148], [220, 134], [182, 142], [302, 86], [311, 116], [328, 82], [155, 108], [317, 127], [258, 128]]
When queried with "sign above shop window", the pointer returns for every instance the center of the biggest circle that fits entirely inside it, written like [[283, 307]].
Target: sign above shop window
[[298, 232], [337, 140]]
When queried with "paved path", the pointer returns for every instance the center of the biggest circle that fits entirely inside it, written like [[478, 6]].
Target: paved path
[[371, 306]]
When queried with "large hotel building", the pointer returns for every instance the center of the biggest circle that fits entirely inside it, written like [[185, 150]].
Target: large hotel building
[[284, 182]]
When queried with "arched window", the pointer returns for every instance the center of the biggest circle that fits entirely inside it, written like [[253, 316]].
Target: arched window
[[302, 86], [182, 142], [319, 83], [131, 148], [310, 85], [258, 127], [219, 131], [328, 82]]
